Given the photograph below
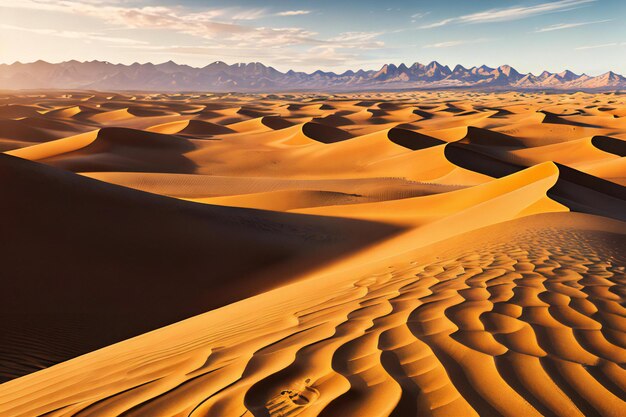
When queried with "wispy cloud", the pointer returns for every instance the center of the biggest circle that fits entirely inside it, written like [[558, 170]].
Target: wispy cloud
[[293, 13], [450, 44], [417, 16], [76, 35], [361, 39], [511, 13], [214, 32], [251, 14], [324, 55], [604, 45], [212, 24], [561, 26]]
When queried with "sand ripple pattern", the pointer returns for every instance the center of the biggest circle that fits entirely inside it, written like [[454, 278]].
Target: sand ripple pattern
[[528, 325], [524, 331]]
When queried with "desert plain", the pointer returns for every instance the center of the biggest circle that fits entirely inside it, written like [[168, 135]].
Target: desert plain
[[441, 253]]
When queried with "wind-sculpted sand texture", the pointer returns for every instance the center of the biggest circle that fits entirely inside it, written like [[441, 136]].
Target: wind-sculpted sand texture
[[525, 319], [380, 254]]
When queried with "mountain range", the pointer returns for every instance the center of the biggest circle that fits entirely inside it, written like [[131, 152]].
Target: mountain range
[[251, 77]]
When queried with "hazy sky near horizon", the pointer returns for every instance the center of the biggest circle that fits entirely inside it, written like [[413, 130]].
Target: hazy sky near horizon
[[531, 35]]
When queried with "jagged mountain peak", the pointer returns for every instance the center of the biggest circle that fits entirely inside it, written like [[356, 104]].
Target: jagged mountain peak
[[459, 67], [256, 76]]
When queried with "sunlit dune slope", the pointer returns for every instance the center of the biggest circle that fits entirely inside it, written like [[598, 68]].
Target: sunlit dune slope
[[519, 194]]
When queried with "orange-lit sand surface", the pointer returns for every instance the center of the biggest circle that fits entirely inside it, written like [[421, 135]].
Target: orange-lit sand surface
[[376, 254]]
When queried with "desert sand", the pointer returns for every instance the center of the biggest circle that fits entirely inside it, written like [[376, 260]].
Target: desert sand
[[440, 253]]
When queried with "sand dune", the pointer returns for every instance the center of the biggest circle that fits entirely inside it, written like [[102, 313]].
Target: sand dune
[[526, 190], [190, 186], [286, 200], [492, 139], [412, 140], [16, 129], [324, 134], [575, 189], [15, 110], [111, 116], [191, 127], [111, 148], [441, 253], [64, 112], [378, 341], [134, 270]]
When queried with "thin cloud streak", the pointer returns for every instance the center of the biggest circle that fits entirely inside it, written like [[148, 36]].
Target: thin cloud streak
[[561, 26], [293, 13], [450, 44], [604, 45], [76, 35], [511, 13]]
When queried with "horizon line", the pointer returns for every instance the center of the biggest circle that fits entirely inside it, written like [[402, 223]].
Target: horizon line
[[301, 71]]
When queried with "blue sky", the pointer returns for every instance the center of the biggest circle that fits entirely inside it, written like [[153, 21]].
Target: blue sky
[[531, 35]]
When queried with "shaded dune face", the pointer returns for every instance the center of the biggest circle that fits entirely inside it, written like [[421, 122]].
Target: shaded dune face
[[577, 190], [276, 122], [131, 150], [108, 258], [412, 140], [610, 145], [488, 138], [324, 133], [373, 254], [191, 127]]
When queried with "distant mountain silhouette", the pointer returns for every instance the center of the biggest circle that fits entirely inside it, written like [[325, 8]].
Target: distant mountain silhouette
[[221, 77]]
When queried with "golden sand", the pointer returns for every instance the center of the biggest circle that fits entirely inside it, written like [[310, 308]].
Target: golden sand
[[375, 254]]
